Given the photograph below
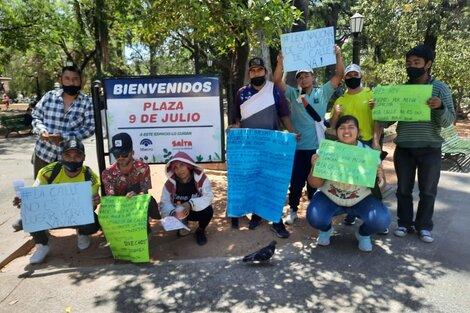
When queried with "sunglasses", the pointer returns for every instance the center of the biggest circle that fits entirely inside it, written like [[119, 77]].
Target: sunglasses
[[117, 156]]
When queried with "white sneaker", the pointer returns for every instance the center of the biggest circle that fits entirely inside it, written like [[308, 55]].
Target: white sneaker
[[291, 217], [40, 254], [83, 241]]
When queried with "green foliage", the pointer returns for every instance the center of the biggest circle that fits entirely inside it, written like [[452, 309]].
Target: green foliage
[[175, 36], [393, 27], [451, 65]]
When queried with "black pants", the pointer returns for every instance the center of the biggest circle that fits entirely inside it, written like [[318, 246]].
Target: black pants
[[255, 217], [427, 163], [153, 209], [203, 217], [300, 172], [88, 229], [38, 163]]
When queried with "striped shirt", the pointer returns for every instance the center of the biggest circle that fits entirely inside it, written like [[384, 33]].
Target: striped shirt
[[246, 92], [48, 115], [427, 134]]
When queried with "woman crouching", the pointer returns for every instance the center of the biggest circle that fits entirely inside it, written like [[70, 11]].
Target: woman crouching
[[334, 198]]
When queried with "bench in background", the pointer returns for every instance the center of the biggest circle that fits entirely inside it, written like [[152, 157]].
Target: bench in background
[[16, 123], [454, 146]]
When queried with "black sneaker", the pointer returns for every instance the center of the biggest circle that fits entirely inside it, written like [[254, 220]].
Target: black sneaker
[[201, 238], [280, 230], [18, 225], [234, 221], [254, 223], [349, 220]]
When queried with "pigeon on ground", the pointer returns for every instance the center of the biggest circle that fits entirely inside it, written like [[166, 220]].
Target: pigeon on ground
[[262, 254]]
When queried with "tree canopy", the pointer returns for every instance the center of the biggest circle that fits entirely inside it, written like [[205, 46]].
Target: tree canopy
[[142, 37]]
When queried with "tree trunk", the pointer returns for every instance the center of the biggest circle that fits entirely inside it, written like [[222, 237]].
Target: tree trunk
[[99, 5], [301, 5], [153, 63]]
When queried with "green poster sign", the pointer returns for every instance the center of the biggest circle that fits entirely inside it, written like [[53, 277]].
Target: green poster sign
[[402, 103], [124, 223], [347, 163]]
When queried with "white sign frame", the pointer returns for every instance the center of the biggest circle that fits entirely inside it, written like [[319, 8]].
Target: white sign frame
[[167, 114]]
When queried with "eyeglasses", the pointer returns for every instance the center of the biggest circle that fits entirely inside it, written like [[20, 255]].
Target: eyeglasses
[[117, 156]]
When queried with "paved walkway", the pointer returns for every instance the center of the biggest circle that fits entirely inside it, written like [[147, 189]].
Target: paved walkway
[[400, 275]]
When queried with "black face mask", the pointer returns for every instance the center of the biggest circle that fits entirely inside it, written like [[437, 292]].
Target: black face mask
[[353, 82], [71, 90], [258, 81], [415, 72], [72, 166]]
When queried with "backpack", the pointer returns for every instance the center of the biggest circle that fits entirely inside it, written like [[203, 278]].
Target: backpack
[[58, 167]]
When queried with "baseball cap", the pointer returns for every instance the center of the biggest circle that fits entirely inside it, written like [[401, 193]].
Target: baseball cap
[[353, 68], [121, 143], [73, 144], [256, 62], [303, 71]]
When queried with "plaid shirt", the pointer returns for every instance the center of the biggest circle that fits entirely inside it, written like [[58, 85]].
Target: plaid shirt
[[117, 183], [48, 115]]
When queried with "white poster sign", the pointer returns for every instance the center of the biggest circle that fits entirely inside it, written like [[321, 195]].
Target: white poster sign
[[308, 49], [164, 115], [56, 205]]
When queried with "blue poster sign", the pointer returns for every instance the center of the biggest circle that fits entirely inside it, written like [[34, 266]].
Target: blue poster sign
[[259, 167], [56, 205]]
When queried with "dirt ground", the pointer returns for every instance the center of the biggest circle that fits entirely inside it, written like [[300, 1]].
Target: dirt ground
[[223, 241]]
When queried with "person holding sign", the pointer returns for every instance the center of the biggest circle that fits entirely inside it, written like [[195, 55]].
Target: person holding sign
[[334, 198], [261, 104], [308, 107], [60, 115], [357, 101], [69, 170], [128, 177], [418, 148], [187, 194]]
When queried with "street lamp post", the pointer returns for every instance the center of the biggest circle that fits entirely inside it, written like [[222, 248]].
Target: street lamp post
[[356, 22], [38, 90]]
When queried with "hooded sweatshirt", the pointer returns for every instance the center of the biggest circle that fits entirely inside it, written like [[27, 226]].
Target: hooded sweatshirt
[[199, 201]]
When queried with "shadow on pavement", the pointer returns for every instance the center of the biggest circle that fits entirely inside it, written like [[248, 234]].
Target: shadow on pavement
[[400, 274]]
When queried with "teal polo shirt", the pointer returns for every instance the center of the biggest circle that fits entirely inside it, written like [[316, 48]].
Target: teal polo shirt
[[301, 120]]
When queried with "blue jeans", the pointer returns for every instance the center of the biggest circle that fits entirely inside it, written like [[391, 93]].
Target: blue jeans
[[373, 213], [300, 172], [427, 162]]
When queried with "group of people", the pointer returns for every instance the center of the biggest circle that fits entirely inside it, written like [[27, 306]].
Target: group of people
[[261, 104], [64, 117]]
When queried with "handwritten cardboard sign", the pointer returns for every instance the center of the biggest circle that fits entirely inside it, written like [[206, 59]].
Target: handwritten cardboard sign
[[56, 205], [308, 49], [124, 223], [402, 103], [259, 166], [347, 163]]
